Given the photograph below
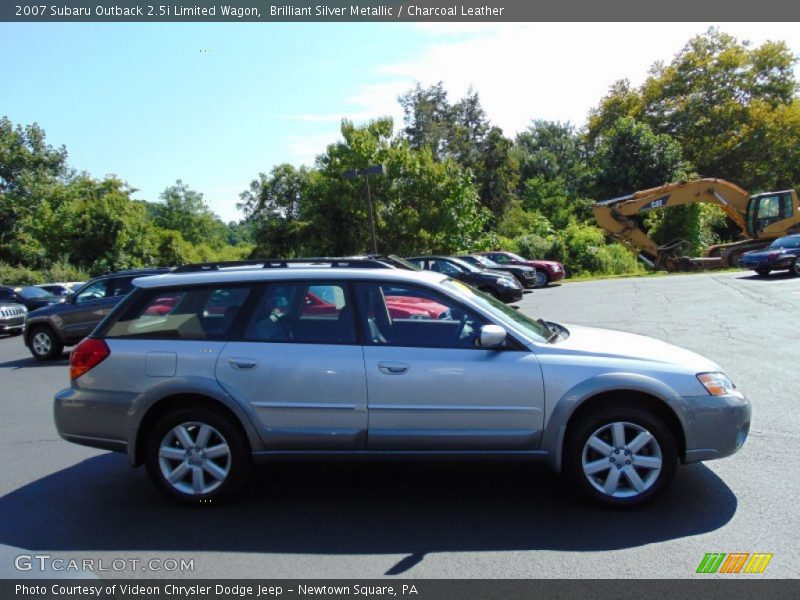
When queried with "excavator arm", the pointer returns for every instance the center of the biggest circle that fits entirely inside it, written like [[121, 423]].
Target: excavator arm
[[615, 215]]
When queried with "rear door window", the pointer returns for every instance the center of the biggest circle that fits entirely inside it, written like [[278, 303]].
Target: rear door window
[[191, 314], [304, 313]]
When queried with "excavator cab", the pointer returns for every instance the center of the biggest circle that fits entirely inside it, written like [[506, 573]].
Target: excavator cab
[[766, 211]]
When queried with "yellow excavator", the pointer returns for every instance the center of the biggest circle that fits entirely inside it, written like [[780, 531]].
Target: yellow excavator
[[762, 218]]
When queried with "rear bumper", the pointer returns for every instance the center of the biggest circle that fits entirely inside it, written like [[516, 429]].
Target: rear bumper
[[91, 419], [715, 426]]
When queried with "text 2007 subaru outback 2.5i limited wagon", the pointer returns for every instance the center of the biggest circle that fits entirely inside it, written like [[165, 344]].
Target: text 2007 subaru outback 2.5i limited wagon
[[199, 375]]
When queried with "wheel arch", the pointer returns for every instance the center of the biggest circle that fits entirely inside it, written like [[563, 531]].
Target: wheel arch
[[178, 401], [613, 387]]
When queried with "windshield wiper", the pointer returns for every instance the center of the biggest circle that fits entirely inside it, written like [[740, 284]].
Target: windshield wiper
[[554, 333]]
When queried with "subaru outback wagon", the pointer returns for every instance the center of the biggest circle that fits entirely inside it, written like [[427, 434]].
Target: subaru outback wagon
[[201, 375]]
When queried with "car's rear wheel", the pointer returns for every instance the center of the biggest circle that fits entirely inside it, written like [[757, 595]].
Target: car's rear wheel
[[620, 456], [197, 455], [763, 272], [44, 344], [542, 279]]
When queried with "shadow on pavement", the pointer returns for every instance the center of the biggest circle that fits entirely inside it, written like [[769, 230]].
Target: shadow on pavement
[[24, 363], [352, 508], [777, 276]]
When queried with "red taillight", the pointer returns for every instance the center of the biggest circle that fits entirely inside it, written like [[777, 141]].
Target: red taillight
[[86, 356]]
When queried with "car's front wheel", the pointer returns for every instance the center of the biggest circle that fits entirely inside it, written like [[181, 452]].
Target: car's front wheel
[[621, 455], [197, 455], [44, 344], [796, 267], [763, 271], [542, 278]]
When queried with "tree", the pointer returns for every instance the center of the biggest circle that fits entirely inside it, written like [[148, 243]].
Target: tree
[[552, 151], [184, 210], [29, 171], [630, 157], [726, 103]]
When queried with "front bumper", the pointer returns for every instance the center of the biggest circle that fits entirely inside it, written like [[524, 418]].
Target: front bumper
[[12, 325], [777, 264], [509, 294], [556, 275], [715, 426]]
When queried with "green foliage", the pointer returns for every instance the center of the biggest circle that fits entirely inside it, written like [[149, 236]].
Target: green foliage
[[60, 271], [732, 108]]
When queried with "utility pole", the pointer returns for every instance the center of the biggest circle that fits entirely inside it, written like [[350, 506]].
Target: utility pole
[[366, 172]]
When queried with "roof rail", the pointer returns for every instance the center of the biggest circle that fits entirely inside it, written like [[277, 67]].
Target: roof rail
[[335, 262]]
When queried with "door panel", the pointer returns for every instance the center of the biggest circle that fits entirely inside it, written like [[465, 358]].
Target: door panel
[[453, 399], [432, 388], [307, 396], [301, 368]]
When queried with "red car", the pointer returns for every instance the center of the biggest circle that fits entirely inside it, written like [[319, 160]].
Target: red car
[[400, 307], [547, 271]]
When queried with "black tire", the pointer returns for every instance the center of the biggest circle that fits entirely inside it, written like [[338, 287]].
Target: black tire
[[763, 271], [542, 278], [44, 343], [635, 419], [237, 463], [796, 267]]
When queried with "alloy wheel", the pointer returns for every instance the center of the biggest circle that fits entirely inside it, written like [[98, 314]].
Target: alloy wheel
[[42, 343], [622, 459], [194, 458]]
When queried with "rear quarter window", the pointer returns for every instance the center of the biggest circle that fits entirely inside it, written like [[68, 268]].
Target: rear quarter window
[[188, 314]]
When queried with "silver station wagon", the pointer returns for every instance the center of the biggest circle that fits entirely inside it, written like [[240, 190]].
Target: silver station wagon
[[202, 373]]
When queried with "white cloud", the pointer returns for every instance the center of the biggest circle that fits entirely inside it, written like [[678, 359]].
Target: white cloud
[[555, 71]]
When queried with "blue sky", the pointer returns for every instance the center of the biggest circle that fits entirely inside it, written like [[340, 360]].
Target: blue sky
[[215, 104]]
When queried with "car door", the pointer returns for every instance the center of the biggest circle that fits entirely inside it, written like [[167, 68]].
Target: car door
[[301, 368], [86, 309], [432, 389]]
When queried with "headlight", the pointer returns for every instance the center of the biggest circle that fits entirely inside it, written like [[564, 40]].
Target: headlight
[[718, 384]]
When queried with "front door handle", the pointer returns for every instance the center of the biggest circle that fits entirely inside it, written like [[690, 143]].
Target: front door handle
[[392, 368], [243, 363]]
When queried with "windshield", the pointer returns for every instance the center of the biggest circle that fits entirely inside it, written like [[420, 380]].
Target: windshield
[[487, 262], [404, 262], [465, 265], [503, 312], [32, 292], [516, 256], [787, 242]]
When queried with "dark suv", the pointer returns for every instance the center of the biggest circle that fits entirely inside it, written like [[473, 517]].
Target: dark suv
[[51, 328], [501, 286]]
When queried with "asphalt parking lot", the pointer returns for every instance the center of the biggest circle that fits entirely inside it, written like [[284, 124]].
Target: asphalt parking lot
[[440, 520]]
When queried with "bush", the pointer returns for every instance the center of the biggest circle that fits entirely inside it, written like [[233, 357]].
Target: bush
[[615, 259]]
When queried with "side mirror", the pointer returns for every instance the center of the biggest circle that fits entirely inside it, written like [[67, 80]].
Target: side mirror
[[492, 336]]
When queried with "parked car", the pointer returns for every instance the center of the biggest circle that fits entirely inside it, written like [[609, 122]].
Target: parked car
[[781, 255], [547, 271], [50, 329], [502, 286], [30, 296], [56, 289], [199, 397], [12, 318], [525, 275]]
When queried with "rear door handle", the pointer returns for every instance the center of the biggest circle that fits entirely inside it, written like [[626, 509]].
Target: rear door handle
[[392, 368], [243, 364]]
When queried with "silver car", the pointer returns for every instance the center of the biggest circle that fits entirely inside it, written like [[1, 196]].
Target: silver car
[[200, 375]]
